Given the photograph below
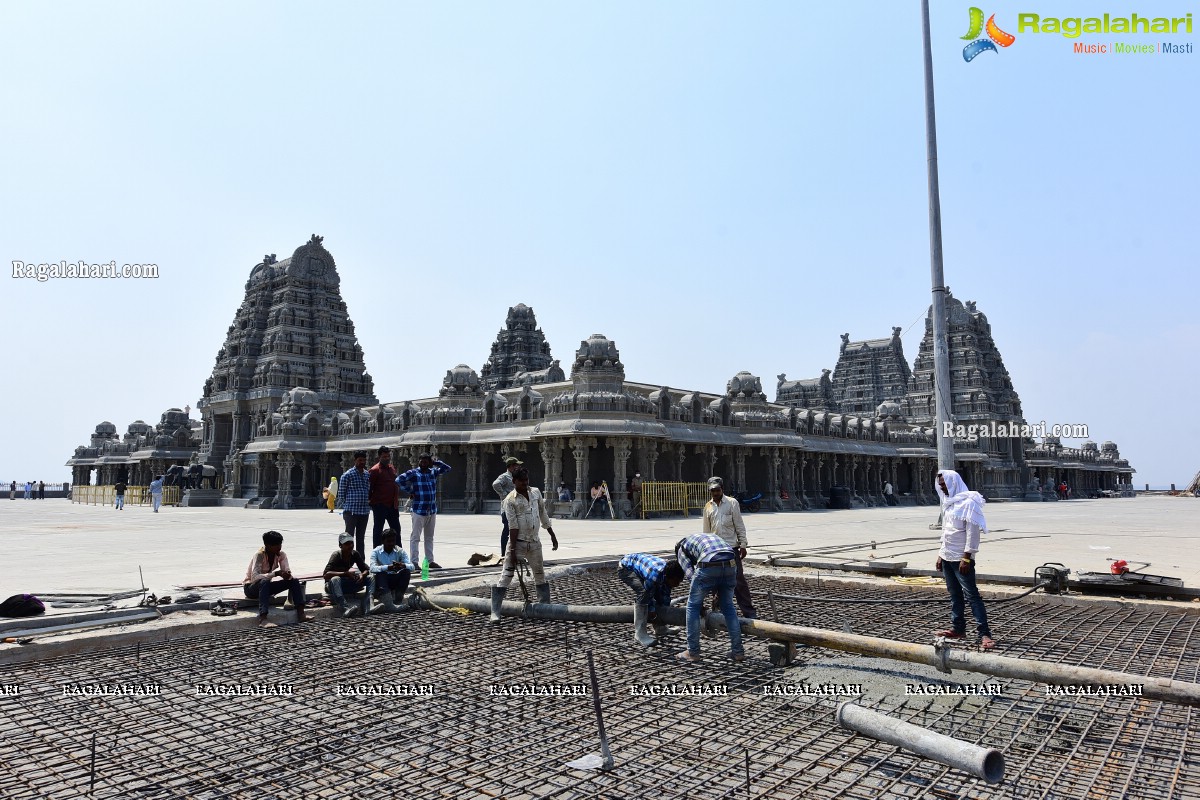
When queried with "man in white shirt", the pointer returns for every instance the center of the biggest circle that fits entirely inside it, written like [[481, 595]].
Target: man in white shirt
[[526, 512], [723, 516], [888, 495], [962, 524]]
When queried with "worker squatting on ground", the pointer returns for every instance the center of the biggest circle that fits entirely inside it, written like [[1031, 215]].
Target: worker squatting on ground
[[391, 568], [962, 524], [526, 513], [652, 579], [712, 566], [269, 574]]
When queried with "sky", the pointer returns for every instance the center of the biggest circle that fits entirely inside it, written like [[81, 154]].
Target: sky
[[716, 187]]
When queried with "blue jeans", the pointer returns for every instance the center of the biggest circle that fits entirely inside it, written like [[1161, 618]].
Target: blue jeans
[[720, 578], [120, 501], [963, 586], [264, 590]]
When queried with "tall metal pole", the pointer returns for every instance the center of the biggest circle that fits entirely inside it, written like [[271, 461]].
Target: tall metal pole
[[941, 356]]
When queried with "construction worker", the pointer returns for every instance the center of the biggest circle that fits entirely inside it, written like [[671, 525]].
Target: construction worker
[[526, 513], [391, 569], [711, 564], [652, 579]]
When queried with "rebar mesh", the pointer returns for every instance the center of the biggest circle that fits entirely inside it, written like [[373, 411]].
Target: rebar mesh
[[465, 742]]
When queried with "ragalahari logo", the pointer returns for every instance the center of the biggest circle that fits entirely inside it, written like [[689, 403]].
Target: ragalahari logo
[[994, 35]]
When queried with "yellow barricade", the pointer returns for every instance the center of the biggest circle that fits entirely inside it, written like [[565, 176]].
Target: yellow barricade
[[673, 496]]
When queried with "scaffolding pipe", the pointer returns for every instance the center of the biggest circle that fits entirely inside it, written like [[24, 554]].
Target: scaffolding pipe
[[982, 762], [942, 658]]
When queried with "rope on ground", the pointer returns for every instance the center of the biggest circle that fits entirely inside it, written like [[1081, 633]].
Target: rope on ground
[[916, 580], [417, 590]]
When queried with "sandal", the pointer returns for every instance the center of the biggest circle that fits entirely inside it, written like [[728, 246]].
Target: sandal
[[951, 634], [987, 643]]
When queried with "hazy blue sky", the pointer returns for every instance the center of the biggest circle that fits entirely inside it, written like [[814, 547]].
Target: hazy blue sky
[[715, 186]]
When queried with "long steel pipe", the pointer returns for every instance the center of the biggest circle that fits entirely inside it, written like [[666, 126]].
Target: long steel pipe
[[1164, 689], [982, 762]]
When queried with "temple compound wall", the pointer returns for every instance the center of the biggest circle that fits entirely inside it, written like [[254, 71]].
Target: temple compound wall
[[289, 401]]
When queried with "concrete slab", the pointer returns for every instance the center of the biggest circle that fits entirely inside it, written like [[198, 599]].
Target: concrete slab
[[55, 546]]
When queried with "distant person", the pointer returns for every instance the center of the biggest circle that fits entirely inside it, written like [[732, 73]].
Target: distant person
[[331, 494], [888, 496], [269, 574], [156, 489], [354, 490], [599, 498], [41, 490], [635, 489], [28, 490], [346, 574], [421, 482], [119, 489], [502, 486], [565, 495], [391, 569], [384, 496], [12, 491], [962, 524]]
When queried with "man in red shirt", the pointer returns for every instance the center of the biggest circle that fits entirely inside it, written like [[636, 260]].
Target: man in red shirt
[[384, 497]]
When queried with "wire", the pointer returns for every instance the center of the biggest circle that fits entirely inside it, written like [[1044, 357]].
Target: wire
[[901, 602]]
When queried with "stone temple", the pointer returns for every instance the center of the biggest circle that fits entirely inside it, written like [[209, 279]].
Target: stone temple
[[289, 400]]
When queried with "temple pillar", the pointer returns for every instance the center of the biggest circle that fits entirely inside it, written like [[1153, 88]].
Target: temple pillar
[[471, 451], [774, 459], [739, 468], [551, 452], [264, 461], [710, 455], [622, 448], [580, 445], [651, 459], [305, 474], [283, 491]]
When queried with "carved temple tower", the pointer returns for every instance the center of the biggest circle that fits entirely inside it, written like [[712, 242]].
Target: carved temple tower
[[868, 373], [520, 347], [981, 392], [292, 330]]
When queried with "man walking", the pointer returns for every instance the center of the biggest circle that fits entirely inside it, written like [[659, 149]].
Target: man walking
[[962, 523], [421, 483], [503, 485], [12, 491], [723, 516], [41, 490], [888, 496], [156, 487], [712, 566], [119, 489], [354, 490], [526, 512], [384, 497]]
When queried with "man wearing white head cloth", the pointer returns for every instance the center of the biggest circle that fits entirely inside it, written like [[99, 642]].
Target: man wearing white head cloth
[[962, 523]]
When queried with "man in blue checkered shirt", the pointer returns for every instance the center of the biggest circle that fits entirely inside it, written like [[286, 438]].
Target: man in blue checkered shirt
[[354, 491], [652, 579], [421, 483], [712, 565]]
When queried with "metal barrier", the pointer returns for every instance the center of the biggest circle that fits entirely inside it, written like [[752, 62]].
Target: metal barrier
[[673, 496], [134, 495]]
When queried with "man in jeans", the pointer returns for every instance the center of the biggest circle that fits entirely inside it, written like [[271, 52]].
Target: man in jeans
[[391, 569], [354, 493], [346, 574], [421, 483], [119, 488], [384, 497], [962, 523], [712, 566], [269, 574]]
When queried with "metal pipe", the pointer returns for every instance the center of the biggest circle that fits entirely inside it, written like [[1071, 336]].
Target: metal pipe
[[946, 658], [982, 762]]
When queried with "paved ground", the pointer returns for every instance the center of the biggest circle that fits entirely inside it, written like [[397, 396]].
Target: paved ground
[[55, 546]]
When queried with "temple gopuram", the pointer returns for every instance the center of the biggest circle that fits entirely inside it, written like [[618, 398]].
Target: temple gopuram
[[289, 400]]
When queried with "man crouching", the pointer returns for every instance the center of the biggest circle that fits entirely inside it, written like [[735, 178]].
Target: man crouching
[[526, 512], [652, 579], [346, 574]]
